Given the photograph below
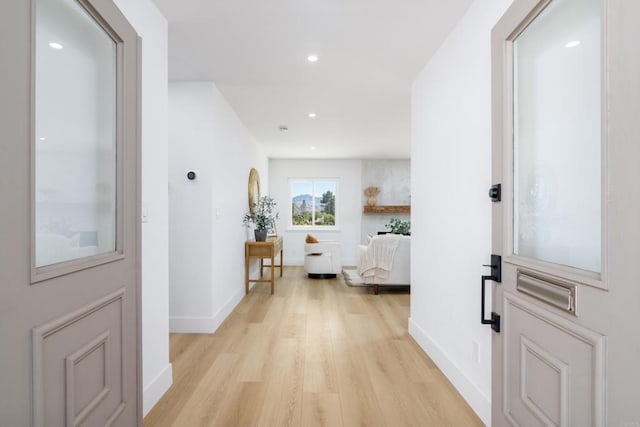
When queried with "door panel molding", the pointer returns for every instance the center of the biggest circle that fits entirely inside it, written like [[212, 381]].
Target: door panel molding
[[102, 345], [41, 274], [528, 347], [112, 342], [595, 342]]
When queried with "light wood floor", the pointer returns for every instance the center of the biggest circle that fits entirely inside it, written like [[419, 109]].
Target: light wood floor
[[316, 353]]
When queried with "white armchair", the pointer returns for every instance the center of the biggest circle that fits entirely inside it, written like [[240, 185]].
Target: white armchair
[[400, 272], [322, 259]]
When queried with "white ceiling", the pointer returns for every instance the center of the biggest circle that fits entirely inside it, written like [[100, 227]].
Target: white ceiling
[[370, 51]]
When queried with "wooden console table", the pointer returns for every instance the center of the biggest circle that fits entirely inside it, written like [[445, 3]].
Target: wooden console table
[[262, 250]]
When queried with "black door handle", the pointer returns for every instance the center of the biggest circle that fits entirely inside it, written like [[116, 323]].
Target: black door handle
[[495, 317], [496, 276]]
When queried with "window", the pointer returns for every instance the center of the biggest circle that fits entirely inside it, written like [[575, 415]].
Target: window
[[313, 202], [76, 134]]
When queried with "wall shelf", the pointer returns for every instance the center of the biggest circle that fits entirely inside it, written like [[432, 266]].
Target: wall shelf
[[386, 209]]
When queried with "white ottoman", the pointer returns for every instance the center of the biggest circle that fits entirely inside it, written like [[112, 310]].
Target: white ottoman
[[322, 259]]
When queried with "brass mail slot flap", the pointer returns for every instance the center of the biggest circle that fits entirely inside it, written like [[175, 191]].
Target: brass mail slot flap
[[553, 292]]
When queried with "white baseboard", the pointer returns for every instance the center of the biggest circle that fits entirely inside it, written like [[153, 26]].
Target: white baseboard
[[156, 389], [474, 397], [205, 325]]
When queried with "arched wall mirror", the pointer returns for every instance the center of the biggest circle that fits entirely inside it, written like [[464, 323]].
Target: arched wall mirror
[[254, 190]]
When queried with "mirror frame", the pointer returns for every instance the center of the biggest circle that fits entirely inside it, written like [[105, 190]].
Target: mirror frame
[[254, 190]]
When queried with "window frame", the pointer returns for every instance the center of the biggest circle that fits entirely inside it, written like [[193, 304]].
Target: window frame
[[313, 182], [124, 67]]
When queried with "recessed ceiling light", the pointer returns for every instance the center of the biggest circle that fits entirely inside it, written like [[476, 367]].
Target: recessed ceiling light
[[313, 147], [55, 45], [312, 115], [573, 43], [312, 58]]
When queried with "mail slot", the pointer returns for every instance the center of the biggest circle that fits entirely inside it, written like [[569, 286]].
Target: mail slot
[[551, 291]]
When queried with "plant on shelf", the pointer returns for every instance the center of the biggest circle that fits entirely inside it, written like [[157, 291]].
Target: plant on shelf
[[371, 193], [262, 216], [397, 226]]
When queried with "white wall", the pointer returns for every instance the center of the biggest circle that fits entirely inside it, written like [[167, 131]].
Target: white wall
[[451, 227], [348, 204], [206, 233], [151, 26]]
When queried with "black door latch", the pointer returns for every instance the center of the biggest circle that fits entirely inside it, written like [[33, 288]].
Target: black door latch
[[495, 193]]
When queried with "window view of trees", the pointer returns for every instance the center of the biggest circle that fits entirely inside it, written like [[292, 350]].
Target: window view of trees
[[313, 203]]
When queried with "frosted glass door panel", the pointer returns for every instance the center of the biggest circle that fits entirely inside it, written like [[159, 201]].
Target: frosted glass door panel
[[75, 134], [557, 137]]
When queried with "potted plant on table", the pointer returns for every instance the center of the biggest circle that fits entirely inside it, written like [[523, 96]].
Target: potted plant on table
[[262, 217]]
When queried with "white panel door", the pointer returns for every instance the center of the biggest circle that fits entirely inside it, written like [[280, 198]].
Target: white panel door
[[566, 150], [69, 191]]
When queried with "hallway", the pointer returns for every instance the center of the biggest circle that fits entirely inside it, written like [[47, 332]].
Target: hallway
[[316, 353]]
